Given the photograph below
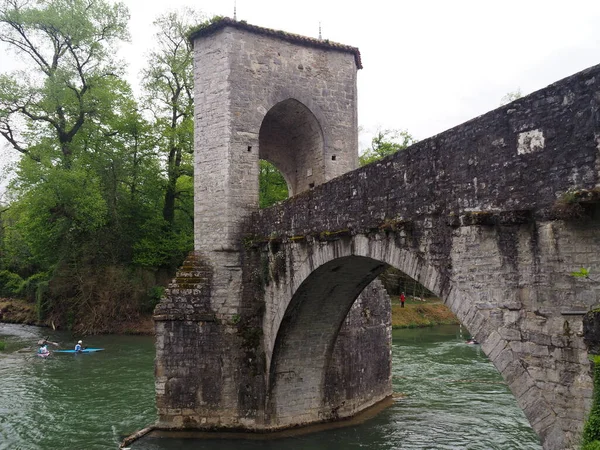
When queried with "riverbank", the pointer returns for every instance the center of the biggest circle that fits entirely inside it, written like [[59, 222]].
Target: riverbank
[[415, 314], [23, 312], [17, 311], [421, 313]]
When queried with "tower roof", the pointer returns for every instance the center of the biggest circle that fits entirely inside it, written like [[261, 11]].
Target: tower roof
[[220, 23]]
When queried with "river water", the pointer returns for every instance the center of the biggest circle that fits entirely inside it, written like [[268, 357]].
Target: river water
[[453, 398]]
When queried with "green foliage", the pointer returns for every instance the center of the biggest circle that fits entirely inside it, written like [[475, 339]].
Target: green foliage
[[582, 273], [11, 284], [205, 24], [68, 45], [2, 346], [53, 215], [385, 143], [272, 187], [101, 191], [168, 93], [158, 246], [32, 285], [43, 305], [591, 429], [155, 294]]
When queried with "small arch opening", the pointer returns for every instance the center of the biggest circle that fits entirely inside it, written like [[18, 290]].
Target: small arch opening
[[291, 138]]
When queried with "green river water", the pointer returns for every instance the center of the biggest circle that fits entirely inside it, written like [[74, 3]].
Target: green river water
[[453, 399]]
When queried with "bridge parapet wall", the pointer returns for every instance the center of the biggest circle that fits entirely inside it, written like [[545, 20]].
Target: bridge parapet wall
[[520, 157]]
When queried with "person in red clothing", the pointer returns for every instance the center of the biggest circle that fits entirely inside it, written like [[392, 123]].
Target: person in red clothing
[[402, 298]]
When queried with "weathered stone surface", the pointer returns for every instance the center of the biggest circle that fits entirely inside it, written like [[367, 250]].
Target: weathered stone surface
[[488, 215], [521, 343], [591, 331], [291, 101]]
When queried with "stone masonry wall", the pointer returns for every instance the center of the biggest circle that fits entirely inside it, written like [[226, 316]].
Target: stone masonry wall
[[359, 373], [239, 77], [471, 213], [250, 87], [510, 286], [521, 157], [493, 216]]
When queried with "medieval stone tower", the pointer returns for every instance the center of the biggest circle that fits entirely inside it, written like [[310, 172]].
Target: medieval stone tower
[[290, 100], [270, 95]]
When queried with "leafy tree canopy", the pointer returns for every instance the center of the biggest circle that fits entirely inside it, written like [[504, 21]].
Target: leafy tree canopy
[[69, 48], [272, 186], [385, 143]]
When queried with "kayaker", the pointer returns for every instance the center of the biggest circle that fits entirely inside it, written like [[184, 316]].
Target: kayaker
[[43, 350], [78, 347]]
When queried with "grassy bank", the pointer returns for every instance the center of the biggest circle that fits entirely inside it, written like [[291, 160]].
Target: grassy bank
[[417, 313]]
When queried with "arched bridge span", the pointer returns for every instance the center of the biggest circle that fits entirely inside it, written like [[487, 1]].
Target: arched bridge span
[[538, 352], [493, 216]]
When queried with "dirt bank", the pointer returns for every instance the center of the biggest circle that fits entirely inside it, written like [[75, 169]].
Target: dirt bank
[[17, 311], [20, 311], [416, 313]]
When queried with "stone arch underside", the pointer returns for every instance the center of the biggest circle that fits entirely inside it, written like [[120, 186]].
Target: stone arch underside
[[307, 335], [324, 280], [291, 138]]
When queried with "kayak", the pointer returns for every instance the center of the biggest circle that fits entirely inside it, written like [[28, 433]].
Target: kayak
[[85, 350]]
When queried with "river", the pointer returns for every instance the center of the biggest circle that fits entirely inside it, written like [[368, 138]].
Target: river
[[453, 398]]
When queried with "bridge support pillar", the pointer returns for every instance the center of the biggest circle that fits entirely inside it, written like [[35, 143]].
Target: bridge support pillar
[[290, 100]]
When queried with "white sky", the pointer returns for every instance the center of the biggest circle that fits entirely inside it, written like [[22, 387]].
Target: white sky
[[428, 64]]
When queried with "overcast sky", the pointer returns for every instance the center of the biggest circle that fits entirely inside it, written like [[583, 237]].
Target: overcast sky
[[428, 64]]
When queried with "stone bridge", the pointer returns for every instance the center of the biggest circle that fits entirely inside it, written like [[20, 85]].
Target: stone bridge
[[277, 319]]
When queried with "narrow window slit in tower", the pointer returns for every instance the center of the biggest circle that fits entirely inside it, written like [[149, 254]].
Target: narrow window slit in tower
[[249, 148], [333, 157]]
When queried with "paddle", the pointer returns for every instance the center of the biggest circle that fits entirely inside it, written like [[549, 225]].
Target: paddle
[[45, 341]]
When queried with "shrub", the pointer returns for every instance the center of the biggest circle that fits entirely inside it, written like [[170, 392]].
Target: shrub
[[155, 294], [591, 429], [11, 283], [2, 345], [31, 285]]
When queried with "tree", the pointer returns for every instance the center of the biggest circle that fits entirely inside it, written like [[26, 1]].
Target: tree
[[168, 85], [385, 143], [272, 186], [69, 46], [54, 113]]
